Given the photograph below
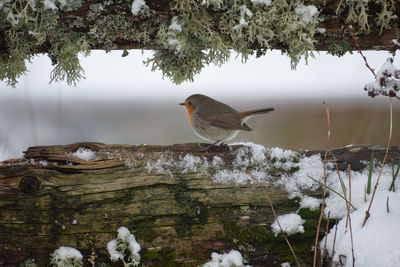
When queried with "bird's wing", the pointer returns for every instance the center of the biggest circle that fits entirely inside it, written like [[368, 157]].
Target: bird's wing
[[226, 121]]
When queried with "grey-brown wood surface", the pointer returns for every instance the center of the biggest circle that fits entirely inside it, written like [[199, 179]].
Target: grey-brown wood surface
[[50, 199]]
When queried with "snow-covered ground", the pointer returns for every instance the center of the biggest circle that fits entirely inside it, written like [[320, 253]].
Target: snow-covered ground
[[379, 235]]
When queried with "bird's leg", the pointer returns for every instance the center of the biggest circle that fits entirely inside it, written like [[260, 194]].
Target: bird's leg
[[209, 146], [201, 147], [216, 142]]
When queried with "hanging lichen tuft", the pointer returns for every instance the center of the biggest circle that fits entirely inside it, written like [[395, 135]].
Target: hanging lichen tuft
[[187, 35]]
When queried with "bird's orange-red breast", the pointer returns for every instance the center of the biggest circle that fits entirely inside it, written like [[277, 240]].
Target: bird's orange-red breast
[[215, 121]]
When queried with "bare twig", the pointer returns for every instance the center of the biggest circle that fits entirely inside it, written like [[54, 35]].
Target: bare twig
[[321, 214], [348, 208], [367, 212], [349, 218], [357, 44], [334, 243], [326, 235], [283, 233]]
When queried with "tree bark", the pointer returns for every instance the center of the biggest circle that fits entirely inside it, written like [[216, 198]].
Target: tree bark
[[50, 198]]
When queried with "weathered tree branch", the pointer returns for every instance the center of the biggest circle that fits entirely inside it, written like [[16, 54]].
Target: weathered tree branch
[[82, 20], [188, 34], [51, 198]]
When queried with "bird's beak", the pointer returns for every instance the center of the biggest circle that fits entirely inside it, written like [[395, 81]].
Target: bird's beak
[[182, 104]]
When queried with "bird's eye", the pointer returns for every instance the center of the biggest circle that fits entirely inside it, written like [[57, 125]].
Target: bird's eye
[[190, 103]]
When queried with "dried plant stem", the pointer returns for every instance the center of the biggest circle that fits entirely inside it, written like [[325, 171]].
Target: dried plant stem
[[349, 218], [326, 234], [334, 243], [283, 233], [367, 212], [321, 214]]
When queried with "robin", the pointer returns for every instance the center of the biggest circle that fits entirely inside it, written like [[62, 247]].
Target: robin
[[215, 121]]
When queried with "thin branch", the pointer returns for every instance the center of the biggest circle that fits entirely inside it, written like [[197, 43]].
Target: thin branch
[[367, 212], [283, 233], [349, 218], [357, 44], [326, 235], [334, 243]]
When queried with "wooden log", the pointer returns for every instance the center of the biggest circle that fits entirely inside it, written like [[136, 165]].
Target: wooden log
[[52, 198]]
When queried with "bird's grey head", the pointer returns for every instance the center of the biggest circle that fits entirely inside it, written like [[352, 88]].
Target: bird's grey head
[[197, 101]]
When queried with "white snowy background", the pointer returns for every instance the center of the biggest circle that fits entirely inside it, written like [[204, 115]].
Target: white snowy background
[[123, 101]]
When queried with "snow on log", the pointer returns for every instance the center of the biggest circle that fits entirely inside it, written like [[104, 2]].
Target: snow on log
[[180, 203]]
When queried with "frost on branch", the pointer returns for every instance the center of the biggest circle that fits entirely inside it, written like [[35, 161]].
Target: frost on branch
[[387, 81]]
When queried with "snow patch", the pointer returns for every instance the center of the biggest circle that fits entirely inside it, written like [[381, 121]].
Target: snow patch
[[217, 161], [375, 244], [166, 163], [283, 158], [307, 13], [261, 2], [138, 6], [291, 224], [43, 163], [244, 12], [66, 256], [52, 4], [387, 81], [174, 28], [311, 166], [337, 206], [232, 259], [84, 153], [249, 154], [216, 3], [308, 202], [232, 176]]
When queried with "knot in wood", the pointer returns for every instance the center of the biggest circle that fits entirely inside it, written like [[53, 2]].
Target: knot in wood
[[30, 185]]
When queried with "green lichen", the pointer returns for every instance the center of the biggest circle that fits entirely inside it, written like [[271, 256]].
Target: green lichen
[[358, 13], [161, 258], [340, 47], [200, 33], [106, 30], [144, 233], [207, 38], [68, 67], [178, 68], [250, 238], [27, 25], [386, 16], [196, 213]]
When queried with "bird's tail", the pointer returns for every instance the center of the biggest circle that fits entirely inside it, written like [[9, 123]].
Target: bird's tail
[[249, 113]]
